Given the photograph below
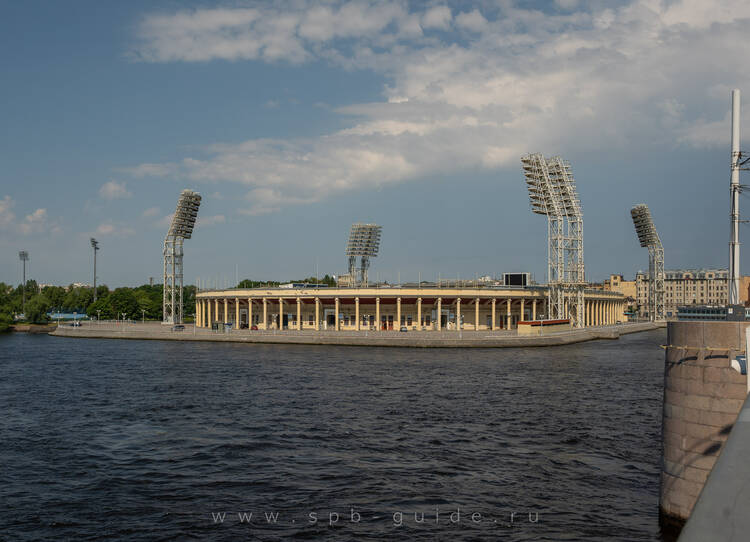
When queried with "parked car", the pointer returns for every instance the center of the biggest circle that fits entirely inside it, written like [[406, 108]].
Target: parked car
[[178, 327], [254, 328], [75, 323], [403, 329]]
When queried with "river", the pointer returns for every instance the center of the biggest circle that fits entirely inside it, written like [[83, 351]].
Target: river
[[145, 440]]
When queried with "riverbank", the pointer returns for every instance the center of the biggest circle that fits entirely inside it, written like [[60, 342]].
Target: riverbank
[[33, 328], [415, 339]]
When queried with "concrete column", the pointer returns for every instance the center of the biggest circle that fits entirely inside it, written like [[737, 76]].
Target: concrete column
[[208, 312], [226, 310], [377, 313], [197, 313], [398, 312], [508, 319], [356, 312], [249, 312], [337, 327], [458, 313], [281, 313], [439, 312], [265, 313], [523, 314], [237, 312], [299, 314], [317, 314], [419, 313], [476, 315], [216, 309], [533, 310], [494, 320]]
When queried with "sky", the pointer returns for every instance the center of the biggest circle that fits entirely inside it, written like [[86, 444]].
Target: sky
[[295, 119]]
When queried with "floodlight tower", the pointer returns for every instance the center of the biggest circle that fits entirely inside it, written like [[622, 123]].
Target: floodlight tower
[[95, 246], [364, 241], [552, 192], [180, 229], [735, 188], [649, 238], [24, 257]]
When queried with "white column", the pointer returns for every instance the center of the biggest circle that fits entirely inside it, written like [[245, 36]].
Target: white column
[[281, 313], [249, 312], [237, 312], [439, 312], [398, 312], [299, 314], [458, 313], [508, 319], [419, 313], [317, 314], [377, 314], [356, 312], [476, 315], [494, 321], [338, 308], [533, 310], [265, 313]]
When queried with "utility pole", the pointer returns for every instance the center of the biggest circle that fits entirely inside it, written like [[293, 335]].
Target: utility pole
[[95, 246], [24, 257], [734, 241]]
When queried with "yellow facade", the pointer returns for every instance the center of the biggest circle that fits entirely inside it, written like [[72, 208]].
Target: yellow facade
[[379, 309]]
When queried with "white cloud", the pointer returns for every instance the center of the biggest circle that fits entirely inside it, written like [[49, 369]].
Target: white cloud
[[150, 212], [7, 216], [113, 190], [114, 230], [210, 220], [646, 73], [35, 222]]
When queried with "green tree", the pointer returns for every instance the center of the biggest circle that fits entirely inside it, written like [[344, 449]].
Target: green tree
[[123, 300], [5, 321], [37, 308], [103, 305]]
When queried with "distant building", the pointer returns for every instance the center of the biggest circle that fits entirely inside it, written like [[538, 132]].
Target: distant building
[[686, 287], [617, 283]]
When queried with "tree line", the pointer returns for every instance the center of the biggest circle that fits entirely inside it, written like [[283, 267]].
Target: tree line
[[140, 302]]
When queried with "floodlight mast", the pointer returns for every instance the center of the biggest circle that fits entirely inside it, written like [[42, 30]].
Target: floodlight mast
[[552, 192], [364, 241], [649, 238], [181, 228]]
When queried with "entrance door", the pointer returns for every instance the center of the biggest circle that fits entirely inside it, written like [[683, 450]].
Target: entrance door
[[390, 322]]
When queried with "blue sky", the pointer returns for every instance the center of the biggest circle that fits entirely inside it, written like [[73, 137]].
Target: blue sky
[[295, 119]]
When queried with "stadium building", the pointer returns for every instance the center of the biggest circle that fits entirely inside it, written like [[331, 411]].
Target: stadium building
[[392, 308]]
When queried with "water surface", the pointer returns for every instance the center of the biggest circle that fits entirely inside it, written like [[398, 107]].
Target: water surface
[[150, 440]]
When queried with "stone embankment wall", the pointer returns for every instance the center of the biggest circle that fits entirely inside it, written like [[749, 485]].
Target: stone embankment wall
[[702, 396]]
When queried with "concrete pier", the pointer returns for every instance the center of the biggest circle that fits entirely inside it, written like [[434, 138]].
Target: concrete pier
[[703, 395], [418, 339]]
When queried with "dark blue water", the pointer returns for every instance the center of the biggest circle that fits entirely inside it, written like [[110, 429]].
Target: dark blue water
[[160, 440]]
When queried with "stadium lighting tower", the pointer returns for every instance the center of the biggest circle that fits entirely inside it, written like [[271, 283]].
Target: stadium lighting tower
[[95, 246], [552, 193], [24, 257], [181, 228], [364, 241], [649, 238]]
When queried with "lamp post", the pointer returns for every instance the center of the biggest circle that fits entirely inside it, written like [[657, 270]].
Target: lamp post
[[98, 317], [144, 315], [24, 257], [95, 246]]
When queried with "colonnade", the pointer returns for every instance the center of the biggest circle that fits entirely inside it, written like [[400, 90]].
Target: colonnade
[[438, 314]]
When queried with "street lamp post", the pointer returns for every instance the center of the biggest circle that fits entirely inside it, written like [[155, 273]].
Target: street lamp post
[[24, 257], [144, 315], [95, 246], [98, 317]]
